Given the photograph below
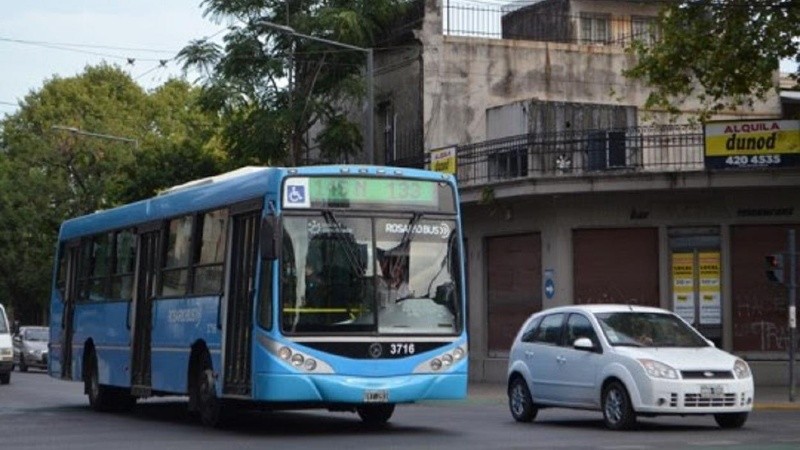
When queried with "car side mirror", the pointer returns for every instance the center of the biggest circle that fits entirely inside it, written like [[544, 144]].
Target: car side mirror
[[583, 343], [17, 338]]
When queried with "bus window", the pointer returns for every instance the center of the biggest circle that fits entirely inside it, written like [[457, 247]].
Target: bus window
[[175, 275]]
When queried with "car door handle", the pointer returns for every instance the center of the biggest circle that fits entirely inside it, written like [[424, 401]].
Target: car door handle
[[561, 359], [529, 353]]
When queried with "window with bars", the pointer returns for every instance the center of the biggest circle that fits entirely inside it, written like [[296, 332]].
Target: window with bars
[[644, 29], [595, 28]]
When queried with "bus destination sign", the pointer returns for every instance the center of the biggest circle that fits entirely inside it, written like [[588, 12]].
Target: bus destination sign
[[307, 192]]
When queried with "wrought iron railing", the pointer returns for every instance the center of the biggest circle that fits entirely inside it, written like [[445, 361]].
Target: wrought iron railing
[[671, 148], [519, 22]]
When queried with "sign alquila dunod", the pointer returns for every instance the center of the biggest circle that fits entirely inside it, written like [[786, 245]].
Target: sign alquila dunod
[[745, 144]]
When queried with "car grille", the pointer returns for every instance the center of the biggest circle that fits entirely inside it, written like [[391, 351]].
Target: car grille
[[698, 401], [707, 375]]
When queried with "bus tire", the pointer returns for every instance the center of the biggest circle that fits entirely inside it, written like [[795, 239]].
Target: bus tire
[[100, 397], [375, 415], [207, 405]]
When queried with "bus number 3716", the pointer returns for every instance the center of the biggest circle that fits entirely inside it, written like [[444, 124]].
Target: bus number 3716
[[401, 349]]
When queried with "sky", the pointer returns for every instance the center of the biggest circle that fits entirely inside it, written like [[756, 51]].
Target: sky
[[40, 39]]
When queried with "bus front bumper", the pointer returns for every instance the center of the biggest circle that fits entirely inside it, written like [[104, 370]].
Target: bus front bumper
[[356, 390]]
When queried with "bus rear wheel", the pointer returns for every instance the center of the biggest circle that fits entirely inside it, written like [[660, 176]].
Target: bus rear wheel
[[101, 397], [375, 415]]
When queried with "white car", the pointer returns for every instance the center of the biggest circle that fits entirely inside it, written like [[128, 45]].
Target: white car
[[625, 361]]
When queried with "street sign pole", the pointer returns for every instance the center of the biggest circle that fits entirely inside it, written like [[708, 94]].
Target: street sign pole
[[792, 310]]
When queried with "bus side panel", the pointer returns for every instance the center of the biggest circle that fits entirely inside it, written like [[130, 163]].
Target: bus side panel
[[177, 324], [106, 325]]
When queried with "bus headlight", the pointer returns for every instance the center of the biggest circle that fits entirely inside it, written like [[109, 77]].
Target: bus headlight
[[436, 364], [297, 360], [310, 364], [285, 353]]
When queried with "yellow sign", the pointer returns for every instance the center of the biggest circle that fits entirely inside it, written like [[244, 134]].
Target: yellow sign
[[444, 160], [683, 285], [759, 143], [710, 297]]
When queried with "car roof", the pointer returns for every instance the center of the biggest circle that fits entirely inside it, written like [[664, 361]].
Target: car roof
[[595, 308]]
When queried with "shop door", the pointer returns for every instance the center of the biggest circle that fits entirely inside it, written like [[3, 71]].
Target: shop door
[[696, 273]]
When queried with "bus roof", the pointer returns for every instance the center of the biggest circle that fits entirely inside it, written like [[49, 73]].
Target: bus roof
[[208, 193]]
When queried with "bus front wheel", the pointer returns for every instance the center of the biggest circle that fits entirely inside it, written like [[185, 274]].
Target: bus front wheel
[[377, 414]]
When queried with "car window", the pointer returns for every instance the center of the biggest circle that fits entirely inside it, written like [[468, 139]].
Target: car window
[[530, 331], [648, 329], [549, 331], [579, 326], [36, 335]]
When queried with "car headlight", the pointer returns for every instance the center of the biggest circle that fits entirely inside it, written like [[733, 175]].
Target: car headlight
[[656, 369], [6, 352], [741, 369]]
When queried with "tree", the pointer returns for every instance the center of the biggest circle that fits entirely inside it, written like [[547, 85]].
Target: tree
[[50, 174], [272, 87], [722, 52]]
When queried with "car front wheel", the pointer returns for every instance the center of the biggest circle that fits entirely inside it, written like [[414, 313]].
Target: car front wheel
[[520, 401], [618, 413], [731, 420]]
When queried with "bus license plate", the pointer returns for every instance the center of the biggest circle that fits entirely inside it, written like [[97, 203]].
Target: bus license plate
[[376, 396], [711, 391]]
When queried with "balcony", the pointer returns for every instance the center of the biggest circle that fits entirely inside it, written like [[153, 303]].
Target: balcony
[[630, 159]]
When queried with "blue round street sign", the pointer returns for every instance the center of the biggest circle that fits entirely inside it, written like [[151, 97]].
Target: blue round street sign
[[549, 288]]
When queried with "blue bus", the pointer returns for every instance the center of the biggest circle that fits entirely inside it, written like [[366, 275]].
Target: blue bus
[[334, 287]]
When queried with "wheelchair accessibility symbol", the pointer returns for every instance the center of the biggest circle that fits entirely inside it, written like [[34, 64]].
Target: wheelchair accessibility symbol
[[295, 193]]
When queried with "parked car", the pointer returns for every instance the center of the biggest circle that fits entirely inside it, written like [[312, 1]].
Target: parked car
[[625, 361], [30, 347], [6, 352]]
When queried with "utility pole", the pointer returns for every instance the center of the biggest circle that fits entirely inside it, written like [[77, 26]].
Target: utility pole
[[792, 310]]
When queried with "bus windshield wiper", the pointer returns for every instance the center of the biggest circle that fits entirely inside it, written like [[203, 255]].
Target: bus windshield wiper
[[349, 251]]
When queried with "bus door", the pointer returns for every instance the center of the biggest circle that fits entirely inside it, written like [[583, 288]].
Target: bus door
[[72, 255], [240, 293], [147, 268]]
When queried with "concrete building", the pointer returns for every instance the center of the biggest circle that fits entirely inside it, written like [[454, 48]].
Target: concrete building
[[572, 191]]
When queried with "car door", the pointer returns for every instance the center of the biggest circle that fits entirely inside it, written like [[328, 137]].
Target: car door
[[577, 368], [542, 359]]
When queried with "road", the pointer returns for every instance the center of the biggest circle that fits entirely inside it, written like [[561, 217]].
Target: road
[[39, 412]]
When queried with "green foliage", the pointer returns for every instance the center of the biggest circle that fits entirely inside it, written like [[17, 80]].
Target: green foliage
[[722, 52], [84, 143], [271, 87]]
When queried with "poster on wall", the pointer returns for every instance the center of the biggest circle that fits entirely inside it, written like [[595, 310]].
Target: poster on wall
[[683, 285], [756, 143], [710, 296]]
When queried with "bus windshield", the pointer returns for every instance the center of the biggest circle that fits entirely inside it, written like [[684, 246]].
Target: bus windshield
[[386, 275]]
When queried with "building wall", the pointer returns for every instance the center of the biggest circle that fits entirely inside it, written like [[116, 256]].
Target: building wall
[[736, 214], [465, 76]]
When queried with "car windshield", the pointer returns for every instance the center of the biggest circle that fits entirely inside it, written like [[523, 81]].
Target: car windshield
[[40, 335], [345, 274], [648, 329]]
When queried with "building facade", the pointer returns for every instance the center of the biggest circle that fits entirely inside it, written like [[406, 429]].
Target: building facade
[[572, 191]]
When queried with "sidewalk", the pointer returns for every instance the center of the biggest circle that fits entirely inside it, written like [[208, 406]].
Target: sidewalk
[[767, 397]]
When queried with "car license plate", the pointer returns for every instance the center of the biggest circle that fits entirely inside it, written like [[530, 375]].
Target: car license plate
[[376, 396], [711, 391]]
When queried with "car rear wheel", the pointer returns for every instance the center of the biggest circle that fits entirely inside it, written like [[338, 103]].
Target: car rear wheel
[[520, 401], [731, 420], [618, 413]]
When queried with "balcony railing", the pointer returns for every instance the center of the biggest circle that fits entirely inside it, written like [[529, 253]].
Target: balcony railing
[[673, 148]]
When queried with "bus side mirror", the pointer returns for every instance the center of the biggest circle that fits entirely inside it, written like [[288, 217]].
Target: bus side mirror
[[268, 238]]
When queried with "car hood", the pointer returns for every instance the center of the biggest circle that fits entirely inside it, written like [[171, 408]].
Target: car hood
[[704, 358]]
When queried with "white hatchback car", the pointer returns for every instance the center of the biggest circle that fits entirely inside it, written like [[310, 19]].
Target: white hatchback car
[[626, 361]]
